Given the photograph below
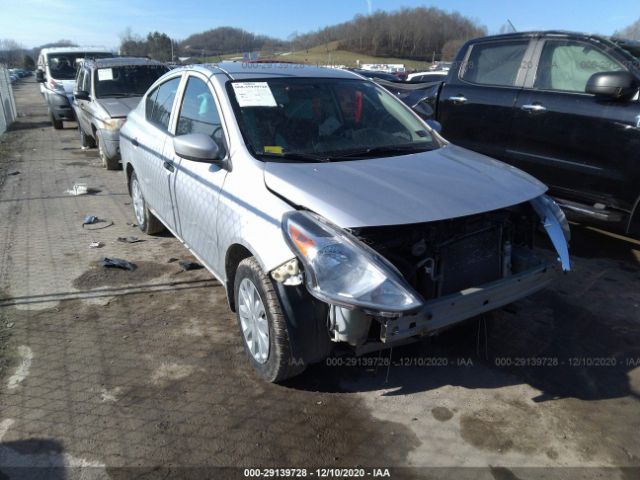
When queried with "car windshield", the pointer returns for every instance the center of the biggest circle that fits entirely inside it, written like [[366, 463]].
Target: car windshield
[[126, 80], [323, 119], [63, 66]]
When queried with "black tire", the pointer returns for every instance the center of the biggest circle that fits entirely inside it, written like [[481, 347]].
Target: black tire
[[107, 162], [85, 140], [56, 124], [280, 364], [149, 224]]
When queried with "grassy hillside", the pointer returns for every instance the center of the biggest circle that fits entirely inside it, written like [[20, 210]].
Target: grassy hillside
[[328, 54]]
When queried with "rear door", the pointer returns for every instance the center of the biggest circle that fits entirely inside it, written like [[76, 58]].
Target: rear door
[[581, 145], [198, 184], [476, 106], [155, 171]]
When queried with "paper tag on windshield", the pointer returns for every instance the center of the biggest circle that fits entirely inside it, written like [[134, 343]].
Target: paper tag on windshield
[[105, 74], [254, 94]]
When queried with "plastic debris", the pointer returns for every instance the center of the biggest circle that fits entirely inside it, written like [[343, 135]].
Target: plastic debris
[[187, 265], [78, 189], [89, 219], [96, 245], [117, 263], [99, 224], [129, 239]]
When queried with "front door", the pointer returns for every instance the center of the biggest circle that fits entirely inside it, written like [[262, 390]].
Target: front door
[[198, 184], [581, 145]]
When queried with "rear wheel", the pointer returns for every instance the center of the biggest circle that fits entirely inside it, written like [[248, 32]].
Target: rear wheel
[[147, 221], [262, 324], [57, 124]]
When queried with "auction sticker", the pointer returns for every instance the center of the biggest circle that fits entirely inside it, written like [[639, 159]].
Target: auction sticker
[[105, 74], [254, 94]]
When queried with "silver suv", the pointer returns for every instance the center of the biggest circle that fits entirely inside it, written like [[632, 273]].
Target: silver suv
[[329, 211], [105, 91]]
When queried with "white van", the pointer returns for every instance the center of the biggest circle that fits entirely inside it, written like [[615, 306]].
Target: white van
[[56, 72]]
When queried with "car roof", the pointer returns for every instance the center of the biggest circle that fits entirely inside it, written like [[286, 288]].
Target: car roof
[[544, 33], [248, 70], [120, 61], [74, 50]]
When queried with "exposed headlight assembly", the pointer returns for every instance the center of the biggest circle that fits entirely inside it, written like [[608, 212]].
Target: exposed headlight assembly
[[114, 123], [341, 270], [555, 223]]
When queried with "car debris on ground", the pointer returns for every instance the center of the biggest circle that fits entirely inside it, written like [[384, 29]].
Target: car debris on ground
[[117, 263]]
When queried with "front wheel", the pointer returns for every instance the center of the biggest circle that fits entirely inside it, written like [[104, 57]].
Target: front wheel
[[85, 140], [262, 324], [107, 162], [147, 221], [55, 123]]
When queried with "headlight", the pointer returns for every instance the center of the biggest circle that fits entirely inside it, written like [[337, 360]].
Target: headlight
[[114, 123], [341, 270]]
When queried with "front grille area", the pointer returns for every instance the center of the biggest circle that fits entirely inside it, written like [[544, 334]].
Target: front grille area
[[444, 257], [471, 261]]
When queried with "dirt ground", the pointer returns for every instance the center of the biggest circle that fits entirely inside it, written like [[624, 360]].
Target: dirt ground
[[114, 374]]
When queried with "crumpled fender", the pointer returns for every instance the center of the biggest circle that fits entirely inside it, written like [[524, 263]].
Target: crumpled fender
[[553, 219]]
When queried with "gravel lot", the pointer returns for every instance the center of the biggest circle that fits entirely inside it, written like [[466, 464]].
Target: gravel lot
[[114, 374]]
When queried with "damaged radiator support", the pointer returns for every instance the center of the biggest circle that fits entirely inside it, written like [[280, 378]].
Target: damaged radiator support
[[473, 264]]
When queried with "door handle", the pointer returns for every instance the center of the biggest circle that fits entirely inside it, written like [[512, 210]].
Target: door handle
[[168, 166], [134, 142], [534, 108], [458, 99]]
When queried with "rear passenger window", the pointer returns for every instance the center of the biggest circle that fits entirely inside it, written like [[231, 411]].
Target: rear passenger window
[[159, 103], [198, 113], [566, 65], [495, 63]]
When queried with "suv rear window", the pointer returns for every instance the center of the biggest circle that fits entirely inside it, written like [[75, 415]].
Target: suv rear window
[[63, 65], [495, 63]]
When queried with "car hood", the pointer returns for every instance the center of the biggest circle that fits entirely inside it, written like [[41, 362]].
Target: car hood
[[445, 183], [119, 107]]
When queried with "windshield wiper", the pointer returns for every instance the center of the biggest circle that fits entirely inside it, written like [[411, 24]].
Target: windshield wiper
[[304, 157], [404, 149]]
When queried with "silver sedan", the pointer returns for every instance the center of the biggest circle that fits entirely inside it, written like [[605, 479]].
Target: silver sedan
[[330, 212]]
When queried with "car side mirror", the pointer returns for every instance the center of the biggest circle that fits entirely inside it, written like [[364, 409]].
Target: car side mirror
[[39, 76], [197, 147], [616, 85], [81, 95]]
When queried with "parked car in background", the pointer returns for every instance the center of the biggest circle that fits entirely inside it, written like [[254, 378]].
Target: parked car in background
[[56, 73], [331, 213], [440, 66], [562, 106], [389, 77], [105, 91], [427, 77]]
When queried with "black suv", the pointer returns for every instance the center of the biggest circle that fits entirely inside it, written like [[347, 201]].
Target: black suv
[[561, 106]]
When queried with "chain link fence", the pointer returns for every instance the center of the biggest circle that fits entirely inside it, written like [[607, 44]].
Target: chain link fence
[[8, 112]]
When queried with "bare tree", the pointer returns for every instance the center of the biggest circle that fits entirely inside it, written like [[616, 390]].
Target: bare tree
[[631, 32]]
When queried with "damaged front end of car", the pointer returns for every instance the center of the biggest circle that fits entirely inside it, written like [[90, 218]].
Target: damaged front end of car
[[376, 287]]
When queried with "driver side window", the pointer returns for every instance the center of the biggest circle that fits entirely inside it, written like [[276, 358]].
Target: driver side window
[[198, 112], [567, 65]]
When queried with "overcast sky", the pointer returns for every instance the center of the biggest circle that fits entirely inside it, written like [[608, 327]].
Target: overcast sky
[[101, 22]]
